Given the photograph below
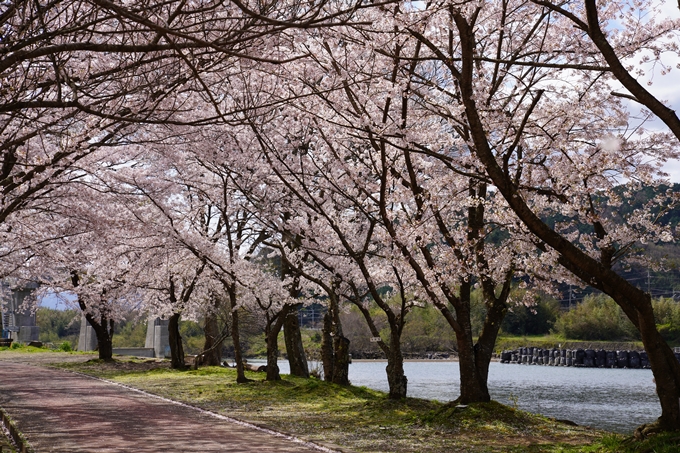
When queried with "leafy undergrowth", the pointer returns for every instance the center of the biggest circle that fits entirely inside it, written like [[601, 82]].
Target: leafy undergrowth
[[5, 445], [555, 341], [355, 418], [613, 443], [18, 347]]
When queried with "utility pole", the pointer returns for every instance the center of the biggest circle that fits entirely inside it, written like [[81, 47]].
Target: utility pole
[[570, 296]]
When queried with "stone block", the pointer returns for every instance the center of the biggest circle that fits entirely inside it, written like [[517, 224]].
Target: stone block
[[87, 341], [135, 352], [29, 333], [157, 337]]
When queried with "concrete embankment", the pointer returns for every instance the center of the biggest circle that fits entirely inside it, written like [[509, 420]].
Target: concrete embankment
[[590, 358]]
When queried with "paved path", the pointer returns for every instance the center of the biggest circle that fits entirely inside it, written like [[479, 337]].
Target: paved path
[[59, 411]]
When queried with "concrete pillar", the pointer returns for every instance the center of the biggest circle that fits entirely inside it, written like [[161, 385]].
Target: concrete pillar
[[29, 333], [157, 337], [87, 341]]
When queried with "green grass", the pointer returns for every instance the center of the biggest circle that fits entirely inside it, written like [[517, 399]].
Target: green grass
[[19, 347], [364, 420], [613, 443], [556, 341], [23, 348]]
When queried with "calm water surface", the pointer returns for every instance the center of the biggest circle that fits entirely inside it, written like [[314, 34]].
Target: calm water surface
[[616, 400]]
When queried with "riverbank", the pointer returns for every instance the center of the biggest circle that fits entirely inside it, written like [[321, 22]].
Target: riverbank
[[356, 419]]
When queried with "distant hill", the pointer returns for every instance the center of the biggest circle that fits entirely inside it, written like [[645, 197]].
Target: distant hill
[[659, 282]]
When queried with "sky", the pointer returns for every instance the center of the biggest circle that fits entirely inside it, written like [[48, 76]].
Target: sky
[[665, 87], [57, 302]]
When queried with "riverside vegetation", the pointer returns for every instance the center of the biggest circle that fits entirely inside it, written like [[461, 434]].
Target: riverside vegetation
[[596, 319]]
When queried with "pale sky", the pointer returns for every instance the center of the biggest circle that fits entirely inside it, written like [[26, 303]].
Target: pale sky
[[666, 87]]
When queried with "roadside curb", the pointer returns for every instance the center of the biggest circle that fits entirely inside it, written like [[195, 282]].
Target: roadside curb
[[20, 442]]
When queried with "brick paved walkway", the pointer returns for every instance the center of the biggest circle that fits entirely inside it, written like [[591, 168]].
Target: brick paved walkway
[[59, 411]]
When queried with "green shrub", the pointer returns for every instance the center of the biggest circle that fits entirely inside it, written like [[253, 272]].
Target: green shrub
[[130, 333], [597, 318], [667, 316], [537, 319], [56, 325], [66, 347], [426, 330]]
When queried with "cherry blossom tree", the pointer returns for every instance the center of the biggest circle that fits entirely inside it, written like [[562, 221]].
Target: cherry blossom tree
[[534, 103], [79, 75], [82, 255], [354, 162]]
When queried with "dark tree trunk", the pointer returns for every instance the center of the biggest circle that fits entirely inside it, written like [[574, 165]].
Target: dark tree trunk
[[175, 339], [665, 370], [294, 348], [103, 328], [334, 351], [473, 387], [104, 335], [396, 379], [341, 362], [496, 309], [212, 348], [340, 352], [327, 347], [238, 355], [272, 330], [235, 335], [273, 355]]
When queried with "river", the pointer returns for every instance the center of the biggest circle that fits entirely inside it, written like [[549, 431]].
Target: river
[[615, 400]]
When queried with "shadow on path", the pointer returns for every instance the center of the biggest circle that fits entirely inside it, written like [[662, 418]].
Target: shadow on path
[[59, 411]]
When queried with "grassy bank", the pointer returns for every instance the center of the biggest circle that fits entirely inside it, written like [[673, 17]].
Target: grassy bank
[[363, 420], [354, 418], [555, 341]]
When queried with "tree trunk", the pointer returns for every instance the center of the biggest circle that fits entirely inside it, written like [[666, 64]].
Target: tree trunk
[[272, 330], [238, 355], [341, 362], [334, 351], [104, 335], [666, 371], [340, 345], [396, 379], [495, 313], [273, 354], [327, 348], [473, 388], [212, 351], [235, 335], [103, 331], [175, 339], [294, 348]]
